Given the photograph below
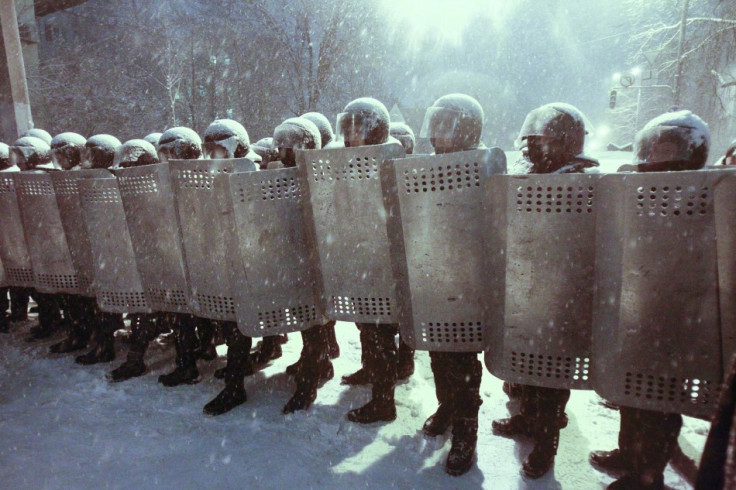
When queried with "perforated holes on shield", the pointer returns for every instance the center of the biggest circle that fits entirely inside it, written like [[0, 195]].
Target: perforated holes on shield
[[138, 184], [279, 188], [221, 305], [670, 388], [122, 300], [200, 179], [57, 281], [555, 199], [102, 195], [550, 366], [7, 185], [169, 297], [452, 332], [443, 177], [287, 317], [67, 186], [672, 200], [20, 275], [362, 306], [36, 188]]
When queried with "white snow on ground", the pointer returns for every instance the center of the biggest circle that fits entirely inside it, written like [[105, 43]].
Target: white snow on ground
[[63, 425]]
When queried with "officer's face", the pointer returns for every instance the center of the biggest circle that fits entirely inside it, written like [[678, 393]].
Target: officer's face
[[164, 155], [545, 153], [17, 158], [215, 151], [62, 159], [287, 157], [663, 151]]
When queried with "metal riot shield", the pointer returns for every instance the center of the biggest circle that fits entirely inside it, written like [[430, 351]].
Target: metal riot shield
[[543, 226], [3, 277], [725, 208], [201, 206], [154, 229], [70, 209], [435, 224], [346, 221], [657, 335], [271, 275], [53, 269], [13, 248], [116, 282]]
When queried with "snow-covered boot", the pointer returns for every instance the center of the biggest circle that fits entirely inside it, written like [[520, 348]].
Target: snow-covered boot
[[542, 457], [440, 421], [462, 452], [334, 347], [186, 371], [268, 349], [233, 395]]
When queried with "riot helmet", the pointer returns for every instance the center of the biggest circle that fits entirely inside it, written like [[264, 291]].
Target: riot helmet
[[4, 157], [66, 150], [225, 138], [153, 139], [552, 135], [453, 123], [99, 151], [364, 121], [39, 133], [265, 149], [673, 141], [323, 124], [29, 153], [179, 143], [134, 153], [730, 157], [296, 133], [404, 134]]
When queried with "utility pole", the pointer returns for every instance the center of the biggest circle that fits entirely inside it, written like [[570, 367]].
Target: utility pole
[[16, 68], [680, 51]]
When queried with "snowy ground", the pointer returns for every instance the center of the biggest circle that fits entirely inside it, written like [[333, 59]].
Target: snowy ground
[[63, 425]]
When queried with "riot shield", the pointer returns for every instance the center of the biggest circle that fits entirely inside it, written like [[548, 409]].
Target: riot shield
[[53, 269], [13, 249], [70, 209], [544, 228], [346, 222], [435, 225], [3, 277], [271, 276], [116, 282], [154, 229], [657, 335], [202, 209], [725, 208]]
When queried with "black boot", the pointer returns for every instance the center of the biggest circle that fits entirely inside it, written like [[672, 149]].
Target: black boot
[[333, 346], [512, 390], [238, 364], [19, 298], [49, 317], [542, 457], [464, 440], [74, 341], [268, 349], [104, 345], [440, 421], [230, 397], [186, 361], [514, 426], [405, 367], [615, 460], [381, 408], [548, 408], [315, 367], [133, 367], [206, 349]]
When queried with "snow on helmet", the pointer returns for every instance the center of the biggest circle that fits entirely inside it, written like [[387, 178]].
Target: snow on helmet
[[66, 150], [179, 143], [296, 133], [29, 152], [673, 141], [364, 121], [225, 138], [455, 121], [99, 151], [402, 132], [323, 124], [4, 156], [40, 134], [559, 121], [153, 139], [134, 153]]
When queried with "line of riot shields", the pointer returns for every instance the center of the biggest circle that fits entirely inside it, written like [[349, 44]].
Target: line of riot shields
[[622, 283]]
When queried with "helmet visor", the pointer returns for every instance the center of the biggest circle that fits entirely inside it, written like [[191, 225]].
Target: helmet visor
[[660, 144], [222, 148], [353, 128], [440, 123]]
